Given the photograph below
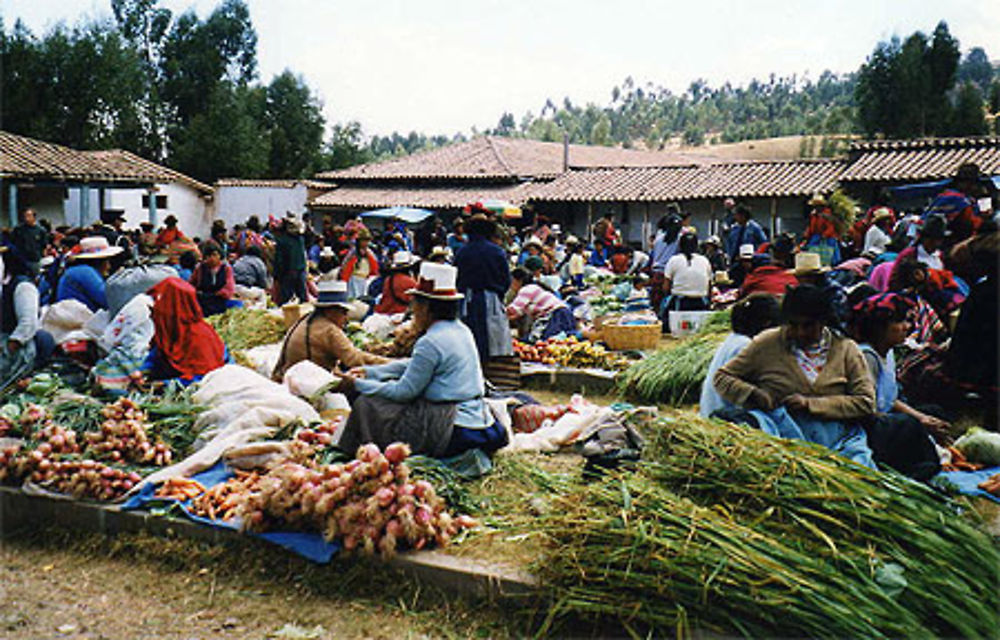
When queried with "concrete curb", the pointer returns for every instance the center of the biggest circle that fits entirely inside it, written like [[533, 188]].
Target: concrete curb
[[461, 576]]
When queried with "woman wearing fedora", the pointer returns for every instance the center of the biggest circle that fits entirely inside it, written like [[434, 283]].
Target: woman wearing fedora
[[319, 336], [89, 267], [484, 277], [398, 281], [433, 400]]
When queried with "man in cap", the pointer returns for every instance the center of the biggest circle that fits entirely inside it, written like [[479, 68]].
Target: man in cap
[[290, 260], [319, 337], [742, 265], [745, 230], [712, 249], [959, 204]]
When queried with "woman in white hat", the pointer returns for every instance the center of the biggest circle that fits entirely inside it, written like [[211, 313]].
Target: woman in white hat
[[89, 266], [434, 400], [319, 336], [397, 284]]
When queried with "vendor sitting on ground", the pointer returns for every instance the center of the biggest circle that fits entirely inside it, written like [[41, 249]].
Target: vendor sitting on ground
[[320, 338], [748, 317], [84, 279], [542, 313], [214, 281], [434, 400], [25, 346], [185, 347], [802, 380], [897, 433]]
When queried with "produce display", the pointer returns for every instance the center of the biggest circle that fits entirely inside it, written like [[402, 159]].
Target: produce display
[[223, 501], [671, 376], [84, 478], [369, 503], [123, 437], [241, 328], [730, 531], [991, 485], [570, 352]]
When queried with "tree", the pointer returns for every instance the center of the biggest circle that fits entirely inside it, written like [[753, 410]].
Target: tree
[[875, 91], [507, 126], [345, 147], [969, 118], [295, 123], [976, 67]]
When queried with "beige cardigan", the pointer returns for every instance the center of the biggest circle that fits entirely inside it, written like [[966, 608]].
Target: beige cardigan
[[329, 345], [842, 391]]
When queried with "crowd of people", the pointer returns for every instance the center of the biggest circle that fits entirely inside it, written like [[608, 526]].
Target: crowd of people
[[840, 336]]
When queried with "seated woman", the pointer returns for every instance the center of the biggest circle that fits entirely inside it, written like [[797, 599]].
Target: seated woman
[[926, 328], [184, 345], [748, 317], [398, 280], [84, 279], [434, 400], [543, 313], [687, 279], [214, 281], [804, 381], [24, 345], [897, 433], [320, 336]]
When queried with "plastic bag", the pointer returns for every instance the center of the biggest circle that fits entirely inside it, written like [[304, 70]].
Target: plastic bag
[[127, 283], [981, 446], [230, 379], [307, 379], [132, 328], [64, 317], [379, 325], [263, 359]]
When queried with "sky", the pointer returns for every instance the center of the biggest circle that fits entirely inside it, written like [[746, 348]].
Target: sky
[[446, 66]]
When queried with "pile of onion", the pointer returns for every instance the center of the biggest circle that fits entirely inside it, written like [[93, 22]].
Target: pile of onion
[[83, 478], [123, 438], [369, 504], [53, 438]]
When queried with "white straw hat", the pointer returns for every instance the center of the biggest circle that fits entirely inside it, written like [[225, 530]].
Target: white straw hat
[[437, 282]]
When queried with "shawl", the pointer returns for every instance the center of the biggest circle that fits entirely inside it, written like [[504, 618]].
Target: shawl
[[183, 338]]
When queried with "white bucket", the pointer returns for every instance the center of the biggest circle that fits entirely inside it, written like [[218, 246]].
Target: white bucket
[[684, 323]]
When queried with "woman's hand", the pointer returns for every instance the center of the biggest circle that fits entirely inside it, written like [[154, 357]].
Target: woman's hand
[[357, 373], [346, 384], [797, 402], [760, 399], [936, 426]]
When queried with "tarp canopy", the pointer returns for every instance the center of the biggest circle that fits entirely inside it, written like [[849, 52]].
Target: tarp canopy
[[408, 215], [930, 189]]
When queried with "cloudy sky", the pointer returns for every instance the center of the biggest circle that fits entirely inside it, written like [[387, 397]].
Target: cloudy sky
[[443, 66]]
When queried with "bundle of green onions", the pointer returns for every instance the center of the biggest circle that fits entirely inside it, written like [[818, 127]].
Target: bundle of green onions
[[243, 328], [731, 531], [673, 375]]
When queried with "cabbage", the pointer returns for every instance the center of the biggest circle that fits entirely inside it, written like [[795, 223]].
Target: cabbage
[[979, 445]]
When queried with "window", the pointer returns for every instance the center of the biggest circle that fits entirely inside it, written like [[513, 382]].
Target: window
[[161, 202]]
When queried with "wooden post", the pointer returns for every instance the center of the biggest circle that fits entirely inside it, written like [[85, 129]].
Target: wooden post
[[12, 204], [774, 217], [590, 217]]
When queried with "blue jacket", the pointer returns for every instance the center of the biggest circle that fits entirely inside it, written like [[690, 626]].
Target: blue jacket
[[750, 233], [482, 266], [84, 283], [444, 368]]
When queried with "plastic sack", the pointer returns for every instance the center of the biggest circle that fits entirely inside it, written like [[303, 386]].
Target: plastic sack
[[307, 379], [126, 284], [230, 379], [379, 325], [263, 359], [132, 328], [64, 317], [528, 418], [980, 446]]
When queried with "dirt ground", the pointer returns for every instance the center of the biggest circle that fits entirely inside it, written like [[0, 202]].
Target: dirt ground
[[140, 587]]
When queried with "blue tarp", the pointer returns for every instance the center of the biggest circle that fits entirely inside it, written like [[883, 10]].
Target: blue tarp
[[408, 215], [311, 546], [967, 482], [929, 189]]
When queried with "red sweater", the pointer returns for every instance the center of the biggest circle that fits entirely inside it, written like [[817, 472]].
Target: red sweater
[[768, 279], [394, 297]]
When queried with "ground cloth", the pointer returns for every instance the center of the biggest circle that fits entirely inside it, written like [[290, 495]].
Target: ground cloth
[[967, 482], [311, 546]]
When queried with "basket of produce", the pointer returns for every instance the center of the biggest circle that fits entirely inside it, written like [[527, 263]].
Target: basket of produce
[[624, 337], [601, 321]]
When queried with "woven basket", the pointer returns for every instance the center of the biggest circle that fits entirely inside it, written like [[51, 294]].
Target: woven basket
[[625, 337], [602, 321]]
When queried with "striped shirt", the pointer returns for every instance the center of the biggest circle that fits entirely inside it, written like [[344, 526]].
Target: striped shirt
[[533, 301]]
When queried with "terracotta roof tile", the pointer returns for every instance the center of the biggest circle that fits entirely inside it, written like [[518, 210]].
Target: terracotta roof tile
[[496, 158], [27, 158], [452, 197], [915, 160], [747, 180]]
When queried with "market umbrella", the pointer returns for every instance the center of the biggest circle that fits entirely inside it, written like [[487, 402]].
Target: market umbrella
[[409, 215], [499, 207]]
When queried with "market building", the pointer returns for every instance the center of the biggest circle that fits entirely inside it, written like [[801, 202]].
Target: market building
[[237, 199], [71, 187]]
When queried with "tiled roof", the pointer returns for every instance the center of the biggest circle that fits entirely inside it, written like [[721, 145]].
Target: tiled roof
[[928, 159], [746, 180], [451, 197], [257, 182], [499, 158], [26, 158]]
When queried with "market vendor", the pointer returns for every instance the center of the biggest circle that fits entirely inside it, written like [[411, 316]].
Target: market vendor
[[185, 347], [543, 312], [483, 278], [687, 279], [398, 280], [802, 380], [360, 264], [89, 267], [434, 400], [214, 281], [320, 336], [898, 433], [25, 346]]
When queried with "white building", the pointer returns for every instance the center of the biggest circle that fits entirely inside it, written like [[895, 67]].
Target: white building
[[237, 199]]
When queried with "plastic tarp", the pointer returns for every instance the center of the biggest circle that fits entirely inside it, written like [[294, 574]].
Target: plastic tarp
[[967, 482], [408, 215], [311, 546]]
